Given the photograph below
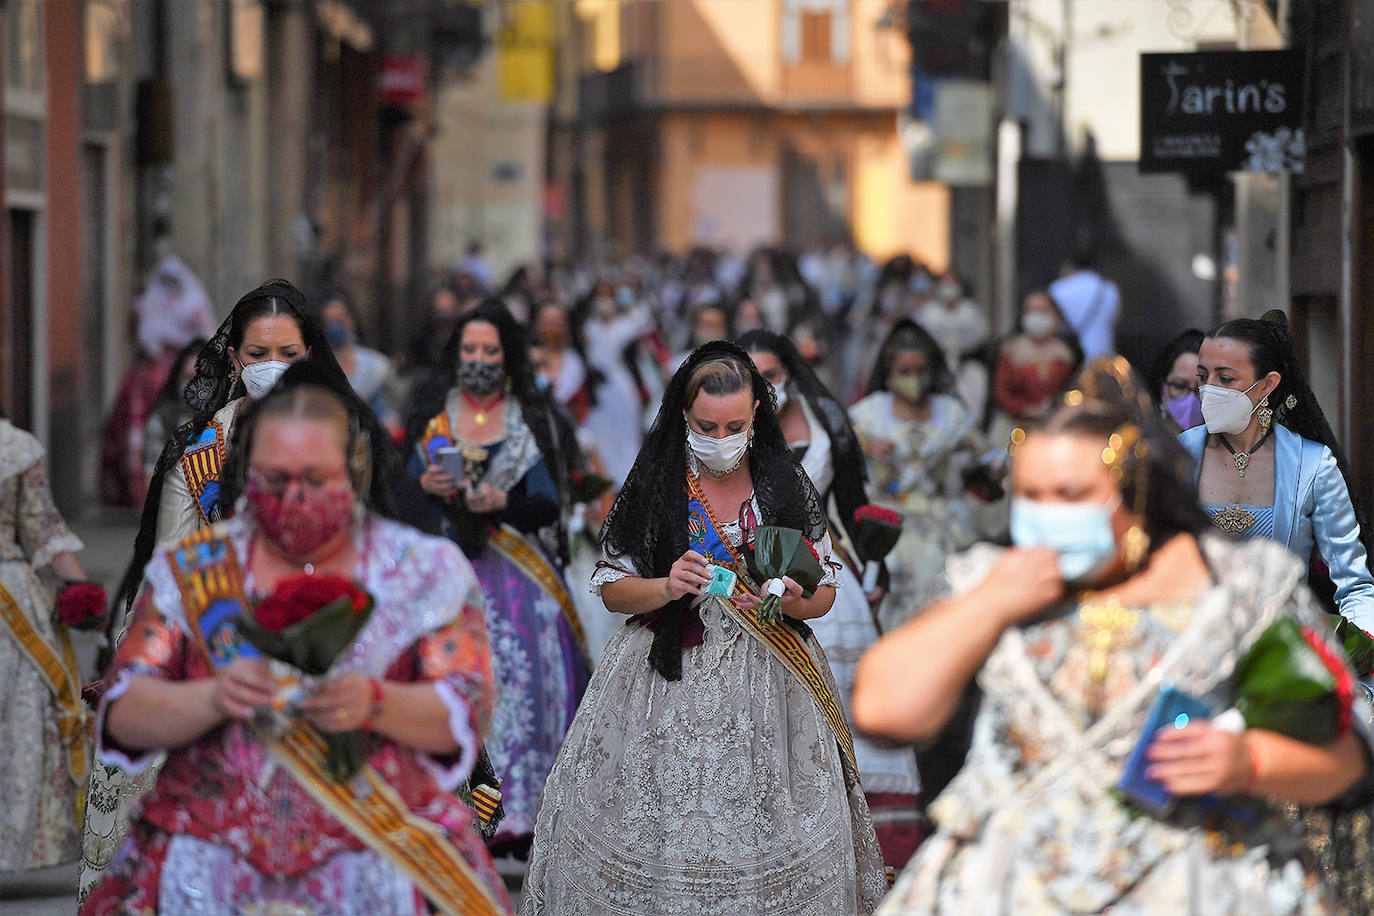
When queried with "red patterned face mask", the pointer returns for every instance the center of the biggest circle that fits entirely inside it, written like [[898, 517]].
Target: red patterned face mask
[[300, 519]]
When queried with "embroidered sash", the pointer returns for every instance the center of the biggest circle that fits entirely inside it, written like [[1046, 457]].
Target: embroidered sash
[[779, 638], [515, 548], [74, 723], [201, 464], [207, 572]]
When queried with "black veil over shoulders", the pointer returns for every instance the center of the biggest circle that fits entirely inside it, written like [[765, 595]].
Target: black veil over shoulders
[[648, 522], [851, 472], [214, 385]]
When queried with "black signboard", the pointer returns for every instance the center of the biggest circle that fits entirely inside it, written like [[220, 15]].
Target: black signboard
[[1221, 111]]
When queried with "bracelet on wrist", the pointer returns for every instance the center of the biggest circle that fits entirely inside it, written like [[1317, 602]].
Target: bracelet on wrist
[[378, 702]]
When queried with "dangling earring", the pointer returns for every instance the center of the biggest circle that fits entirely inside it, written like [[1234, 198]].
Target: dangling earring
[[1135, 547], [1265, 415]]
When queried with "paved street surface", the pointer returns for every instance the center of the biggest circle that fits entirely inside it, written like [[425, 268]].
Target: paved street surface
[[109, 537]]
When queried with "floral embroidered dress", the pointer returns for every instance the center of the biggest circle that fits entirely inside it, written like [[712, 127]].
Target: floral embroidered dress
[[724, 792], [38, 817], [226, 830], [920, 480], [1029, 826], [538, 653]]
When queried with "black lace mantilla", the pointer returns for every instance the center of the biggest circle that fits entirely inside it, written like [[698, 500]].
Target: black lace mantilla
[[648, 522]]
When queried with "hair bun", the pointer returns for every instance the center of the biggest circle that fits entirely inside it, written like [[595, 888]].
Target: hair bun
[[1276, 316]]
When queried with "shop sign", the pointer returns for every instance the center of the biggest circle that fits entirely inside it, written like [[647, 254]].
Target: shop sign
[[402, 81], [1222, 111]]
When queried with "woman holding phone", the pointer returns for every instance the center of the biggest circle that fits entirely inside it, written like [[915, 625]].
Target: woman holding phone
[[710, 770], [1115, 589], [490, 463]]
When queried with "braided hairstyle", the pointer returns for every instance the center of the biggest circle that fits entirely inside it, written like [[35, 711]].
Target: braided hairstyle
[[851, 471], [648, 522], [1270, 346]]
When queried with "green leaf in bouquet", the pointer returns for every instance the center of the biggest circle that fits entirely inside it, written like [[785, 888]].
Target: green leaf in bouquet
[[779, 552], [272, 645], [1358, 645], [320, 638], [1283, 685]]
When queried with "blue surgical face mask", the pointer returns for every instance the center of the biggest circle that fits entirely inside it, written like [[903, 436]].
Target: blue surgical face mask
[[1081, 533]]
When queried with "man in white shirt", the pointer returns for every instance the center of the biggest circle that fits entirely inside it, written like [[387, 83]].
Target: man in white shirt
[[1091, 304]]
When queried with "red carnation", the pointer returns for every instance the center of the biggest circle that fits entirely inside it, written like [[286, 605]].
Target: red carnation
[[298, 597], [81, 603], [878, 514]]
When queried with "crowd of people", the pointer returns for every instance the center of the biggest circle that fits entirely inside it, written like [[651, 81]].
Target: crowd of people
[[522, 593]]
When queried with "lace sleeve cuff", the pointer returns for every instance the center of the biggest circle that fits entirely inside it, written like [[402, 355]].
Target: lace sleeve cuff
[[450, 771], [608, 572], [63, 543]]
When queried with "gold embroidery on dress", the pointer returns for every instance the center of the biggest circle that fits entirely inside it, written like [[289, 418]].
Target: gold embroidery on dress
[[1104, 626], [1234, 520]]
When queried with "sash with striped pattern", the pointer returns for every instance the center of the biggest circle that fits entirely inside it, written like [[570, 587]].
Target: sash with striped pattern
[[783, 641], [207, 572], [74, 724], [201, 464], [516, 549]]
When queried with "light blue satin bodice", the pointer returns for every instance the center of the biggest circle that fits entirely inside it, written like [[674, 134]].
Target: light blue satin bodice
[[1312, 508]]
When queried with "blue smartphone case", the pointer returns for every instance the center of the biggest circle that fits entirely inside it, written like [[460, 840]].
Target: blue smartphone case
[[1172, 709]]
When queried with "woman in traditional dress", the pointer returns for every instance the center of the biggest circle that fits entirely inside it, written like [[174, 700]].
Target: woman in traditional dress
[[960, 326], [822, 440], [43, 748], [1296, 490], [491, 463], [709, 769], [1034, 365], [918, 439], [1115, 587], [268, 330], [245, 817]]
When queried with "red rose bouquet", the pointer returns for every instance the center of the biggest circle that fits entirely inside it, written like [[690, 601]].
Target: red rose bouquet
[[81, 605], [307, 622], [878, 531]]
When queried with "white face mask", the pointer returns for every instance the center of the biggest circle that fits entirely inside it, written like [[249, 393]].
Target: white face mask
[[259, 378], [780, 392], [1039, 324], [720, 456], [1226, 410]]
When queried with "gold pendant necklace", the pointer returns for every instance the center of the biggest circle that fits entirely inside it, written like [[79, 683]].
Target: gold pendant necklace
[[1242, 459]]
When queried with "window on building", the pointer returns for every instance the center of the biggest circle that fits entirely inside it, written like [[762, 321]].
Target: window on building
[[815, 31], [815, 36]]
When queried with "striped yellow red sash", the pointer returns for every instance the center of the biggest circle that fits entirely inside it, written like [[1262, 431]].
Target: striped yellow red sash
[[783, 641], [201, 464], [74, 723], [514, 548], [207, 572], [371, 809]]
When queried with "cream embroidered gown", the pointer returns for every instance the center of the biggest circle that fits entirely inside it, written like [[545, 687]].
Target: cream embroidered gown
[[1029, 826], [722, 793], [38, 817]]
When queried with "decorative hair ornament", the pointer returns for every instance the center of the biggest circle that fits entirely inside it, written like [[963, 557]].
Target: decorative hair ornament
[[1125, 453]]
